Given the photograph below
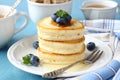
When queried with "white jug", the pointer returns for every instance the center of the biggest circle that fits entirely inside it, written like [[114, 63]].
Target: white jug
[[103, 9]]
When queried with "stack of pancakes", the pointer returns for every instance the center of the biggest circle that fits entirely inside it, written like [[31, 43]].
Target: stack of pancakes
[[60, 44]]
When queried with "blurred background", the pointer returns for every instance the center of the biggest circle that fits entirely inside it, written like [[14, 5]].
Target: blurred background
[[76, 12]]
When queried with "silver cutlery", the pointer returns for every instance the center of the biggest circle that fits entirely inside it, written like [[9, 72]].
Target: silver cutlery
[[13, 7], [94, 56]]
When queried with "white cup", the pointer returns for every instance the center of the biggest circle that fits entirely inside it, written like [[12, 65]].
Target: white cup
[[37, 11], [8, 24], [108, 12]]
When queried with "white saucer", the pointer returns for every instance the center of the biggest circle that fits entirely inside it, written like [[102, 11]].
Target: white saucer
[[25, 46]]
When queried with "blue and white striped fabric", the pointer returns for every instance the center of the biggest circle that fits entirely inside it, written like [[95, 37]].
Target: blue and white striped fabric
[[117, 76], [105, 73], [101, 25]]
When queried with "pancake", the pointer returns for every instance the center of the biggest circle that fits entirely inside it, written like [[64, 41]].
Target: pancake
[[53, 58], [49, 30], [62, 47]]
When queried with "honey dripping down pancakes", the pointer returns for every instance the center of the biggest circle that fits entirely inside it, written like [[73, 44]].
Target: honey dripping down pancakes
[[60, 42]]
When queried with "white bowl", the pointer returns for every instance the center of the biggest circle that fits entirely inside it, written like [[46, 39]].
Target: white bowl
[[37, 11]]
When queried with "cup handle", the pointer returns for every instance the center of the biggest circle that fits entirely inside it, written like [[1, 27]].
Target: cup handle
[[18, 15]]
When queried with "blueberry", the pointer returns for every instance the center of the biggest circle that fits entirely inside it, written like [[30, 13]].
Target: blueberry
[[69, 18], [34, 60], [61, 20], [91, 46], [54, 17], [36, 44]]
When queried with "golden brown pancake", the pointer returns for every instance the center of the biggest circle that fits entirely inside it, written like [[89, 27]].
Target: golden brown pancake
[[49, 30], [62, 47], [53, 58]]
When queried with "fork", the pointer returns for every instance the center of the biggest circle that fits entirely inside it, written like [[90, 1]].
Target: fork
[[94, 56]]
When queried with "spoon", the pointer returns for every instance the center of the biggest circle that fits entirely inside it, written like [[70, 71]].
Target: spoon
[[13, 7]]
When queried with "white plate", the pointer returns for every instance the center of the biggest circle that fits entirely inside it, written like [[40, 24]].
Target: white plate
[[24, 47]]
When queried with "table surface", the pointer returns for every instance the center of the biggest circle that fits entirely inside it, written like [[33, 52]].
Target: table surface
[[8, 71]]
